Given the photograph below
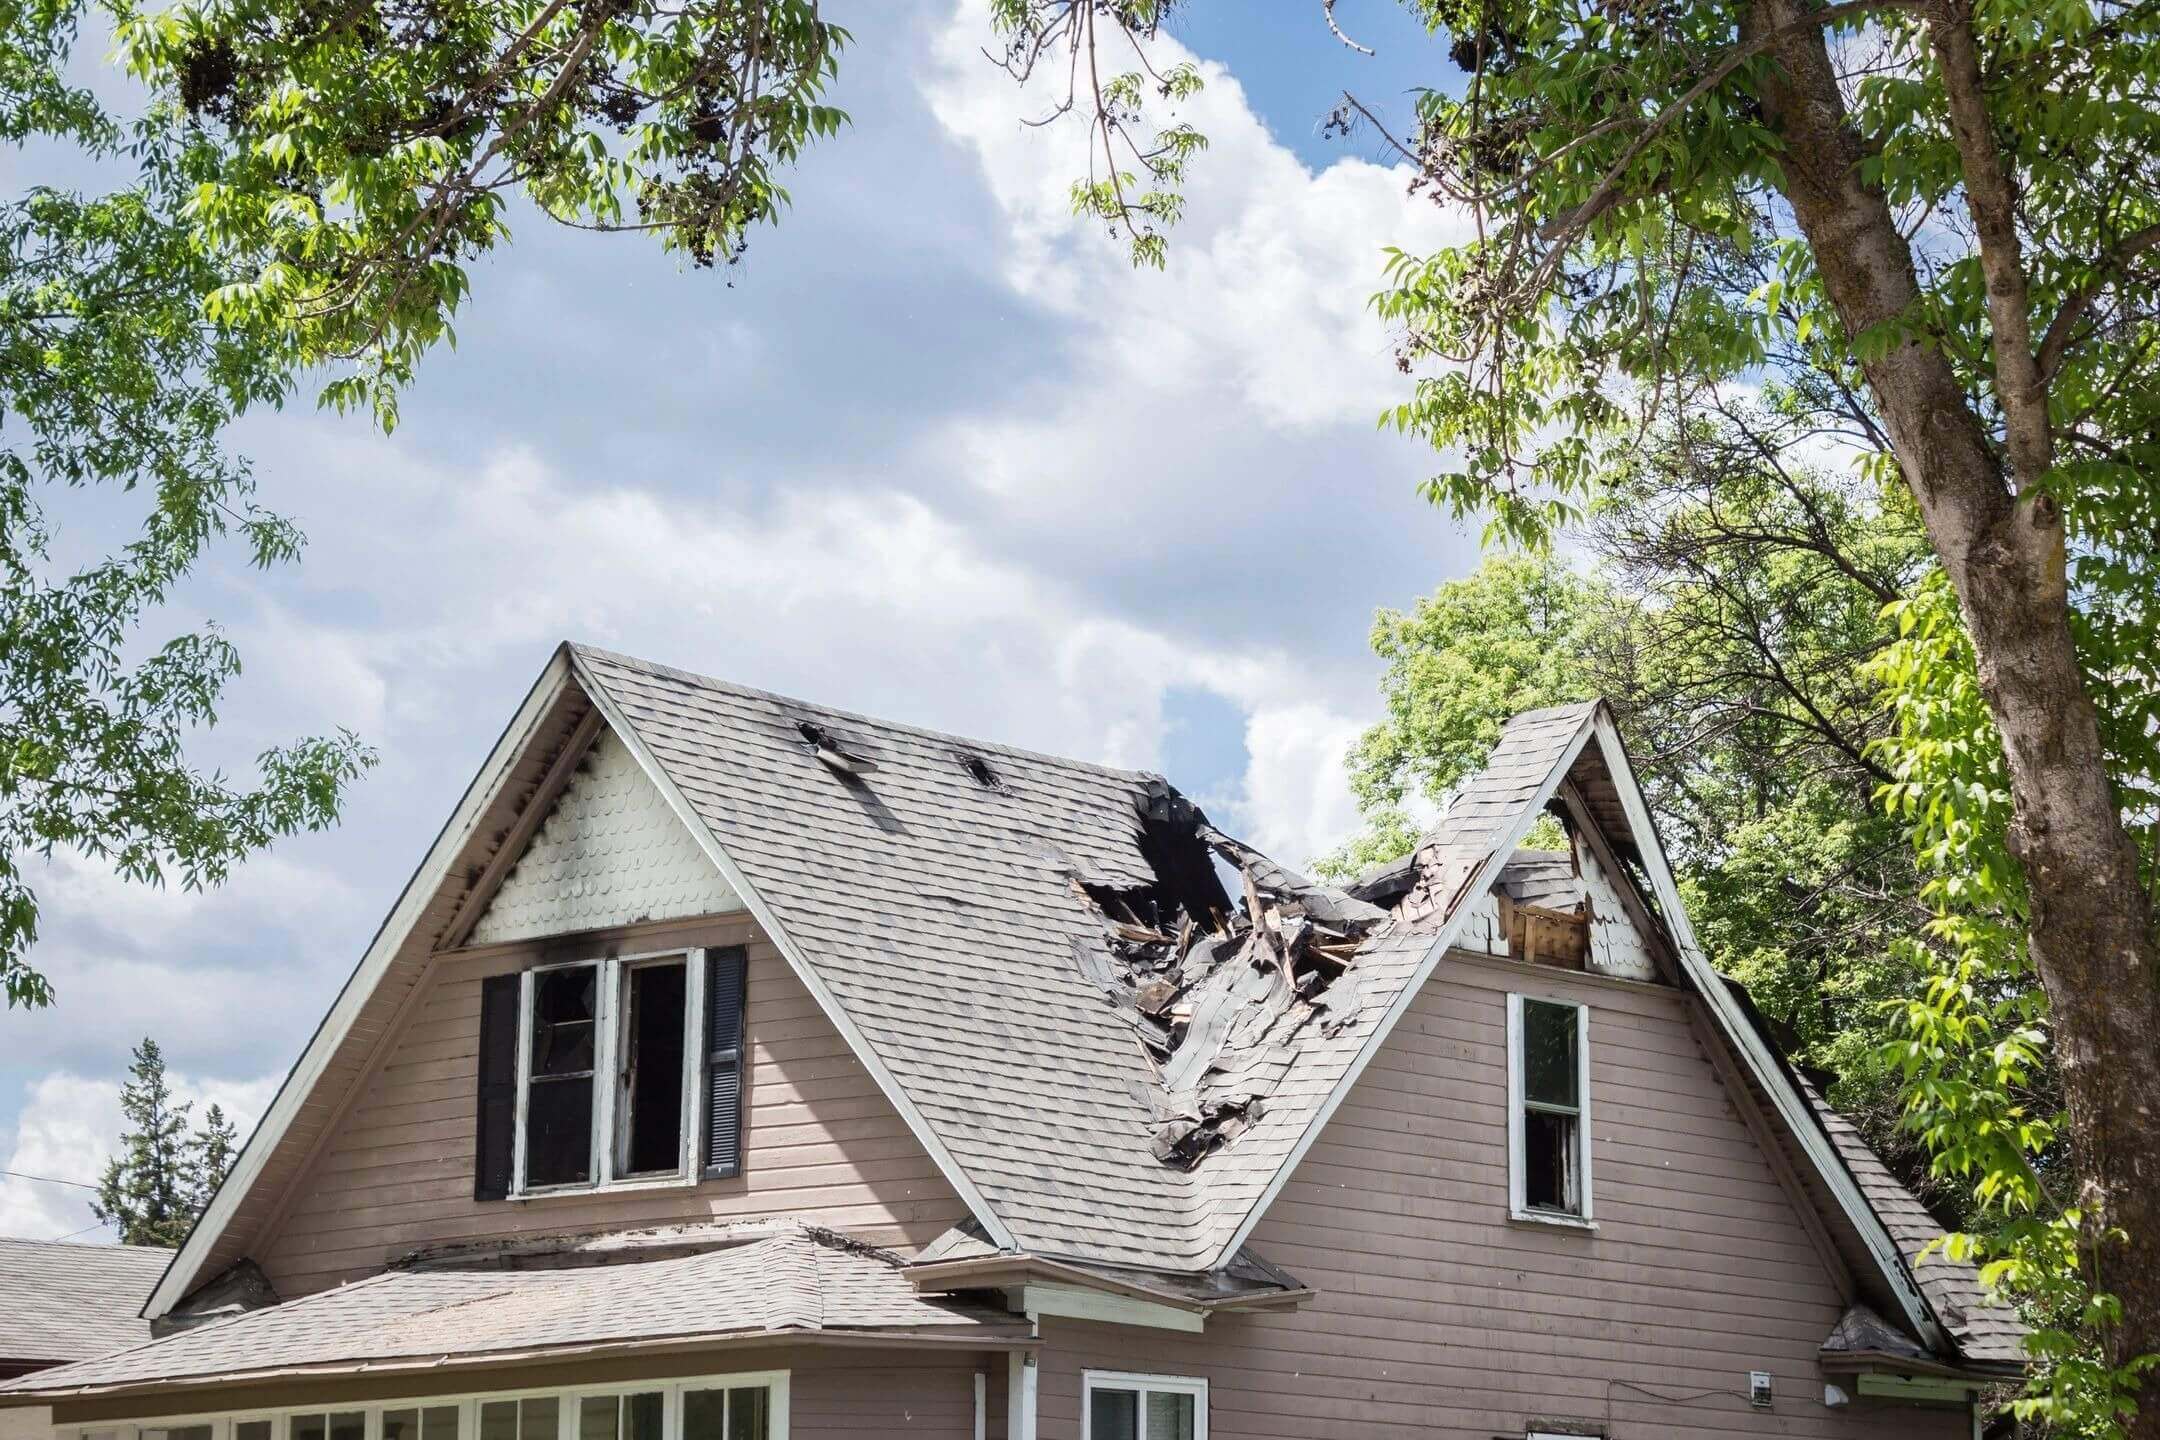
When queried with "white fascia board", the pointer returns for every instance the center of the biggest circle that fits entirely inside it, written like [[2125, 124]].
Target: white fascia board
[[181, 1275], [1487, 877], [1071, 1302], [977, 1204], [1765, 1067]]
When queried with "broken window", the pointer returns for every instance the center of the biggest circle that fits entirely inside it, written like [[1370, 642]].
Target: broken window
[[609, 1061], [650, 1117], [1549, 1104], [1143, 1407], [561, 1039]]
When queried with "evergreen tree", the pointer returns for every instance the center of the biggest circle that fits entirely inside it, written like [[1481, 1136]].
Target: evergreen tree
[[148, 1190], [211, 1151]]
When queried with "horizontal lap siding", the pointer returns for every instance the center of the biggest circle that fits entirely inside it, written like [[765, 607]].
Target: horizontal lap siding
[[397, 1173], [1436, 1317]]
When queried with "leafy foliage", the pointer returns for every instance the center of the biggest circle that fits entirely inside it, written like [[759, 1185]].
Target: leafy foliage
[[1936, 226], [111, 378], [354, 160]]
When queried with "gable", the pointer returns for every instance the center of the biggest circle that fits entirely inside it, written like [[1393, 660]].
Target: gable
[[395, 1172], [610, 852]]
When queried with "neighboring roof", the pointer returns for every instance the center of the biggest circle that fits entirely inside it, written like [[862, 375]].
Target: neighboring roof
[[799, 1282], [61, 1302]]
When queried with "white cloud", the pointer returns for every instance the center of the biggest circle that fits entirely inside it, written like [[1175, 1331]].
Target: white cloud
[[1137, 483], [69, 1131]]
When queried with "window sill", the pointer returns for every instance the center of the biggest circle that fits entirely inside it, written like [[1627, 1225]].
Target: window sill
[[613, 1187], [1548, 1220]]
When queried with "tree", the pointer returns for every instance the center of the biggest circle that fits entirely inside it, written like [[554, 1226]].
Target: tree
[[211, 1152], [306, 187], [1953, 212], [148, 1190], [110, 377], [1728, 600]]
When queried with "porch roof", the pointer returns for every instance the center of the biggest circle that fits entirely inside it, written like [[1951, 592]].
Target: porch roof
[[799, 1282]]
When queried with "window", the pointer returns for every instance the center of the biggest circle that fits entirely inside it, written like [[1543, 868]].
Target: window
[[607, 1065], [1143, 1407], [728, 1407], [742, 1412], [1548, 1111], [435, 1422]]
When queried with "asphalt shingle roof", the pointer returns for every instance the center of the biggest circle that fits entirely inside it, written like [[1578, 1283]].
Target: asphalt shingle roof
[[69, 1302], [942, 914], [1985, 1331], [800, 1280]]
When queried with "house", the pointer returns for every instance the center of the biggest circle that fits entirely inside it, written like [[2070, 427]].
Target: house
[[62, 1302], [735, 1068]]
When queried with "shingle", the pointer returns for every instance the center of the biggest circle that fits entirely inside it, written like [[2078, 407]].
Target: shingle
[[69, 1302], [801, 1278], [1985, 1330]]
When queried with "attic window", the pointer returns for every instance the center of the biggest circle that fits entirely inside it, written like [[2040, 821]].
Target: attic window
[[1548, 1111], [592, 1074], [979, 770]]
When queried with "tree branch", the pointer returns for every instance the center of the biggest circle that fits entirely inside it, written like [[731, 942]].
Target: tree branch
[[2056, 342]]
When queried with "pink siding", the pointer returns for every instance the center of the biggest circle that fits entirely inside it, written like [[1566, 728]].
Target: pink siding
[[1439, 1318], [396, 1172]]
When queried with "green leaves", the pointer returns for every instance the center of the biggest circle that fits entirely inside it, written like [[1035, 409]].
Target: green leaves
[[349, 166]]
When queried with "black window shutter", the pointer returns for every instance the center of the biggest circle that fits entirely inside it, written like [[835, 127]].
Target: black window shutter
[[726, 972], [495, 1130]]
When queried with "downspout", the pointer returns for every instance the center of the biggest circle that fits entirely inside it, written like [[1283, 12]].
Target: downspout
[[982, 1406]]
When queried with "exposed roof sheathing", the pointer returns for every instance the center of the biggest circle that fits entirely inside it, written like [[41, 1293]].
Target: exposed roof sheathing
[[69, 1302]]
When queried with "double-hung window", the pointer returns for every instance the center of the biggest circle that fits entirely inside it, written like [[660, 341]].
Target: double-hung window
[[623, 1071], [1548, 1110], [1142, 1407]]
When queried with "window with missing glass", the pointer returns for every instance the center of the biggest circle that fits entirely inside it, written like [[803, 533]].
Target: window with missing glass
[[1548, 1110], [1121, 1406], [611, 1065]]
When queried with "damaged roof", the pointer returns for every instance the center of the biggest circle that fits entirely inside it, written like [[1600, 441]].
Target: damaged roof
[[1112, 1053], [943, 895], [788, 1280]]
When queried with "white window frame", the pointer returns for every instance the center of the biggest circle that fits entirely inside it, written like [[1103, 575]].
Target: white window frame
[[1517, 1102], [610, 1015], [1092, 1380], [468, 1403]]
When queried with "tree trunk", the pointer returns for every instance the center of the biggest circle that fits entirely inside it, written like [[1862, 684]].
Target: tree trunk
[[2092, 938]]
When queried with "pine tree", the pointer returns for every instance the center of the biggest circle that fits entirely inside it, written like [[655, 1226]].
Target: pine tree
[[211, 1151], [147, 1190]]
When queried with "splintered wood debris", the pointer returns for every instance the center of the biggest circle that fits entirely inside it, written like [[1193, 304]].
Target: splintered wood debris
[[1220, 990]]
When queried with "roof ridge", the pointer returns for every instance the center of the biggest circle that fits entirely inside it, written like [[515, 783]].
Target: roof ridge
[[925, 732], [103, 1247]]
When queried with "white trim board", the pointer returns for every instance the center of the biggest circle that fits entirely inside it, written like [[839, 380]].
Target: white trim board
[[958, 1178], [1769, 1072], [184, 1272]]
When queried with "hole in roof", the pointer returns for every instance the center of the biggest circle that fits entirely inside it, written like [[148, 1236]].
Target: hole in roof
[[980, 771], [813, 734]]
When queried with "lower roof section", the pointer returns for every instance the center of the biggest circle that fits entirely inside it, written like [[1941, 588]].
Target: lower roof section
[[784, 1281]]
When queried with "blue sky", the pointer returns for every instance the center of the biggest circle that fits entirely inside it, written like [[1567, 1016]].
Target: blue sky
[[933, 450]]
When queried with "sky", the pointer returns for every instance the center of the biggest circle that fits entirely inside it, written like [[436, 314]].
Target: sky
[[933, 450]]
